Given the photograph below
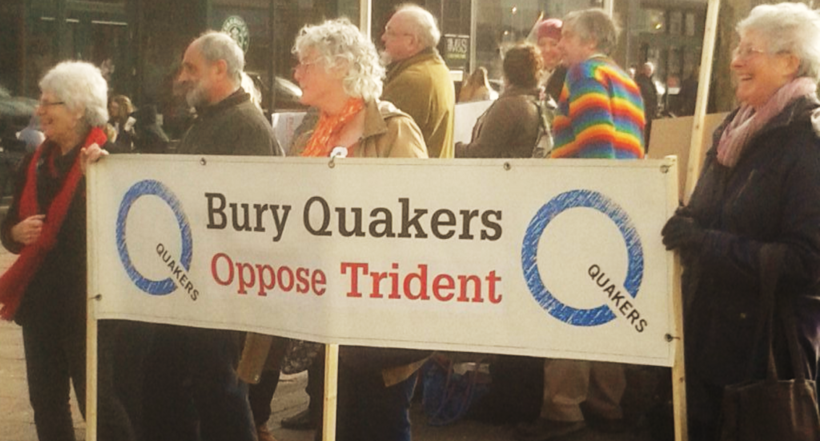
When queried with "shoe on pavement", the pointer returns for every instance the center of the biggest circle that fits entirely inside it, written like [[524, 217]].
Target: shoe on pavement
[[300, 421], [543, 429], [263, 434]]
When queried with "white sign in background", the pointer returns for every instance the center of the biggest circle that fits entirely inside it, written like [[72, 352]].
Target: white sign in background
[[527, 257]]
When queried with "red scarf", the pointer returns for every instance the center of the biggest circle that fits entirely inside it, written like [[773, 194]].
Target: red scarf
[[329, 126], [14, 282]]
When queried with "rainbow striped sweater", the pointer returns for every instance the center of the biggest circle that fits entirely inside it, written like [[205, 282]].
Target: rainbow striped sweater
[[600, 113]]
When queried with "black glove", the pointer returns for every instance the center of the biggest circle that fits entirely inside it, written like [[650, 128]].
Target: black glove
[[682, 231]]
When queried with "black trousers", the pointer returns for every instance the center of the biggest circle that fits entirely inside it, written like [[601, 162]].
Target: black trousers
[[192, 391], [55, 359]]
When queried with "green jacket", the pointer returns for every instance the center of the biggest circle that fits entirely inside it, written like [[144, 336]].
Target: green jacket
[[421, 87]]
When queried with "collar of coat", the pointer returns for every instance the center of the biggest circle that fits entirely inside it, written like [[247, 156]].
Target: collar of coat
[[513, 90], [376, 114], [395, 68], [238, 97]]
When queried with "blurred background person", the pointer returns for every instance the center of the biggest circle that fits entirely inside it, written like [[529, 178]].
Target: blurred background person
[[31, 134], [548, 34], [649, 94], [511, 126], [122, 123], [476, 87], [149, 137], [45, 289], [689, 94], [759, 190]]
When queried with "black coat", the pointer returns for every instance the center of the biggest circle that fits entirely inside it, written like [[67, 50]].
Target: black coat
[[233, 126], [55, 298], [772, 195], [649, 93]]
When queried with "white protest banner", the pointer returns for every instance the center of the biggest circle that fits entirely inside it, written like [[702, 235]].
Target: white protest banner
[[534, 257]]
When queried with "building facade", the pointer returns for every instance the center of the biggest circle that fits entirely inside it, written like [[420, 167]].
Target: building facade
[[139, 43]]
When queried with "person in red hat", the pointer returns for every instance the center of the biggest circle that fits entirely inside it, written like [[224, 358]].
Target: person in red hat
[[548, 34]]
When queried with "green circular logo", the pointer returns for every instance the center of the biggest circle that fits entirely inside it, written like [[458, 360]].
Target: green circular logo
[[238, 30]]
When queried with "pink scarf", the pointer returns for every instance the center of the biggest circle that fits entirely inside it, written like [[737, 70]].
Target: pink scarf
[[747, 122]]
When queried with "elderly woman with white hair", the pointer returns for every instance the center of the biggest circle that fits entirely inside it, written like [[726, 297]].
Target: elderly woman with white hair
[[340, 74], [753, 221], [45, 289]]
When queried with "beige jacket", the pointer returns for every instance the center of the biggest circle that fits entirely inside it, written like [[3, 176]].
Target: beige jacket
[[388, 133]]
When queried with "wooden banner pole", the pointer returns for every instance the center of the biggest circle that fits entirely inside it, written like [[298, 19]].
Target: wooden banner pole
[[708, 54], [91, 319], [678, 370], [676, 337], [331, 387]]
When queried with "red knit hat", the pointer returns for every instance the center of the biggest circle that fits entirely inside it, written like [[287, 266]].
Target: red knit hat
[[550, 27]]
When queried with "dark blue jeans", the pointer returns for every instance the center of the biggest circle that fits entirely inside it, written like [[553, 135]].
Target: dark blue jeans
[[192, 392]]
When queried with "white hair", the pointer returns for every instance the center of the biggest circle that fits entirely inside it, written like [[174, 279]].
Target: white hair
[[249, 86], [79, 85], [215, 46], [788, 27], [339, 40], [421, 23]]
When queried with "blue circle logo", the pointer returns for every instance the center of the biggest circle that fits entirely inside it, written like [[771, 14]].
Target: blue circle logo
[[153, 188], [529, 253]]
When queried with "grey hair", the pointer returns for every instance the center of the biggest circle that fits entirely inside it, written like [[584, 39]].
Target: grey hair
[[422, 24], [339, 40], [788, 27], [594, 25], [215, 46], [79, 85]]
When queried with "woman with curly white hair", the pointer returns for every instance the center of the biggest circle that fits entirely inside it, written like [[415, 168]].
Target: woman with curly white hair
[[756, 202], [340, 74], [45, 289]]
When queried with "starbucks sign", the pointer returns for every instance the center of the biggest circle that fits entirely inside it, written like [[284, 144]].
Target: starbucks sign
[[236, 27]]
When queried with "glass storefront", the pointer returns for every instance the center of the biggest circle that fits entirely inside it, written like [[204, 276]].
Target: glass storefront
[[140, 43]]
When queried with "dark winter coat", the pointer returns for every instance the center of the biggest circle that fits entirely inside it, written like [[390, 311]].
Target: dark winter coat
[[771, 196], [233, 126], [649, 93], [55, 298]]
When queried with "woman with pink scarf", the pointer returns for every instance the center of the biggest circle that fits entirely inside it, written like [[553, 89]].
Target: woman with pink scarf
[[759, 192]]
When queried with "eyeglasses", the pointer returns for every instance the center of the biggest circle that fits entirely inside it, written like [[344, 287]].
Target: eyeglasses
[[302, 65], [744, 53], [388, 32], [49, 103]]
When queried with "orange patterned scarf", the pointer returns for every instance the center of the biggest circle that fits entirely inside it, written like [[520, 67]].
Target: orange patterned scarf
[[330, 126]]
